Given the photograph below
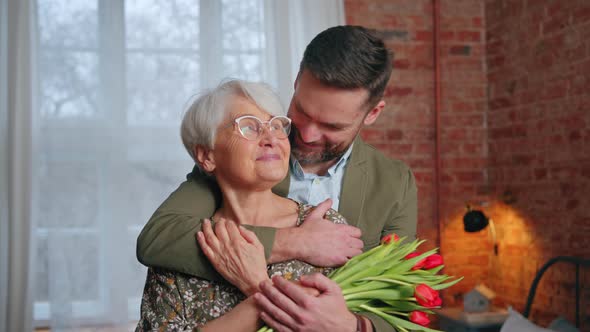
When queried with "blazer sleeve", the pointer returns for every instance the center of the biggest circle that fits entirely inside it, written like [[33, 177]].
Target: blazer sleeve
[[379, 324], [168, 239], [404, 216]]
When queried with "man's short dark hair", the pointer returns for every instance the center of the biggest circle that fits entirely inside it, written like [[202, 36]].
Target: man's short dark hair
[[349, 57]]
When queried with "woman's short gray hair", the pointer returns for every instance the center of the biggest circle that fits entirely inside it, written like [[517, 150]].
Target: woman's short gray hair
[[201, 119]]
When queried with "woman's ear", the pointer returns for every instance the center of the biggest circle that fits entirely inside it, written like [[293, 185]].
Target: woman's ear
[[205, 158]]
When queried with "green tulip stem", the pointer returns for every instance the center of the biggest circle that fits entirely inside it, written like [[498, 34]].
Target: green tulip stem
[[398, 313]]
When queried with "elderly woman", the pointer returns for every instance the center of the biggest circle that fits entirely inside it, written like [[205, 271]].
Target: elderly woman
[[237, 133]]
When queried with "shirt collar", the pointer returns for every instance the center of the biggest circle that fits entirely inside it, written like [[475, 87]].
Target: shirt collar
[[299, 173]]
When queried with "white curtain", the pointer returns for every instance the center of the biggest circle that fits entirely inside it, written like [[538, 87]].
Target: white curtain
[[92, 96]]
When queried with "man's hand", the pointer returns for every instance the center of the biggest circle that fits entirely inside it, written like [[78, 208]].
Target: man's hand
[[236, 254], [288, 307], [318, 241]]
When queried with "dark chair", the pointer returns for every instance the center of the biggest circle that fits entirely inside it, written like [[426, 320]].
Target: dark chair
[[577, 261]]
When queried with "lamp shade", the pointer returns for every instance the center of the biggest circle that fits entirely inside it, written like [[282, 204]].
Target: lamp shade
[[474, 221]]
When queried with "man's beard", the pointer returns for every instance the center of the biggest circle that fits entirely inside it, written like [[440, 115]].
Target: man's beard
[[329, 151]]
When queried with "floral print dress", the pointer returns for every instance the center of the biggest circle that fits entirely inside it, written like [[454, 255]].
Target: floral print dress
[[173, 301]]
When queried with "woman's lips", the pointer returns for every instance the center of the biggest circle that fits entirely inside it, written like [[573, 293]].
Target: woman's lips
[[269, 157]]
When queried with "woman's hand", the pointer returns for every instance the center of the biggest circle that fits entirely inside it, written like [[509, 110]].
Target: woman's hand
[[236, 254]]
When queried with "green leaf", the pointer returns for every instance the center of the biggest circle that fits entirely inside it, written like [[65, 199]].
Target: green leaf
[[382, 294], [408, 264], [435, 270], [446, 285], [389, 280], [404, 305], [368, 285], [382, 261], [397, 322], [359, 263]]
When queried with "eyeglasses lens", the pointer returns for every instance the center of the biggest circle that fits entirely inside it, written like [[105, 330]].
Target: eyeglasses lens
[[251, 128]]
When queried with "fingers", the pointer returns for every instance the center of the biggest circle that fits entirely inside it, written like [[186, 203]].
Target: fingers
[[205, 248], [248, 235], [210, 236], [352, 253], [294, 292], [320, 210], [353, 231], [320, 282], [233, 231], [221, 230], [273, 323], [276, 304], [308, 290]]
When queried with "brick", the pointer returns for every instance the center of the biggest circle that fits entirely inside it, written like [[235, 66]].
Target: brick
[[477, 22], [393, 34], [394, 134], [460, 50], [398, 91], [581, 15], [469, 36], [446, 35], [423, 35], [401, 64]]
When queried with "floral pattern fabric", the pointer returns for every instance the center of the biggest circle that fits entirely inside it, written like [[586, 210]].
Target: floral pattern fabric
[[173, 301]]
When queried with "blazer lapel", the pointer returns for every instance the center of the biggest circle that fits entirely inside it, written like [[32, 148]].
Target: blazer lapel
[[354, 186]]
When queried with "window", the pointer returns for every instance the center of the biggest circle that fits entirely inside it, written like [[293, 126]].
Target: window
[[113, 80]]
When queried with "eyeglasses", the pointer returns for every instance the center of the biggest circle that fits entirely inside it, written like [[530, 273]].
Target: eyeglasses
[[252, 127]]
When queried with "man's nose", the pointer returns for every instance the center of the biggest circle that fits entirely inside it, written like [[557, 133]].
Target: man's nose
[[309, 132]]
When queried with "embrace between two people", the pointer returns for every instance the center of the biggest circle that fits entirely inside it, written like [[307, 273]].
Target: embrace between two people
[[278, 196]]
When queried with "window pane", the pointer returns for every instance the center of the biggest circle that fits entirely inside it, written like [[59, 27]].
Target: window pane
[[67, 267], [159, 86], [68, 84], [73, 255], [162, 39], [41, 292], [150, 182], [68, 193], [243, 25], [245, 66], [68, 23], [162, 24]]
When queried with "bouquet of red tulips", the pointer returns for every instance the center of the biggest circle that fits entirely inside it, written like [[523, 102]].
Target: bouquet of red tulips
[[395, 282]]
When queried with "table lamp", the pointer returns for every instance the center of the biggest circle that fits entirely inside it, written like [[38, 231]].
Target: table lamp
[[475, 220]]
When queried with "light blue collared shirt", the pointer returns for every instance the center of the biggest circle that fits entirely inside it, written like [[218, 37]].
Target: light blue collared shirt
[[314, 189]]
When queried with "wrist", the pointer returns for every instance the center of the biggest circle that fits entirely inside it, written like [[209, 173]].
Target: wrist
[[287, 245], [361, 324], [253, 287]]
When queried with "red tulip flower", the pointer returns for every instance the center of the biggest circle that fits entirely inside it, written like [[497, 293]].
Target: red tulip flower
[[420, 318], [433, 261], [387, 238], [420, 263], [427, 297]]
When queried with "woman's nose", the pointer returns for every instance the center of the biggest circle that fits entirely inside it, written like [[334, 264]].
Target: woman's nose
[[266, 136]]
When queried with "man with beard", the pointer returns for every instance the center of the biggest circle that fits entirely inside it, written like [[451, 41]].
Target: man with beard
[[338, 91]]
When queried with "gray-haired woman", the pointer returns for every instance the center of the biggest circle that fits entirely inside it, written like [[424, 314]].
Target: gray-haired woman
[[237, 133]]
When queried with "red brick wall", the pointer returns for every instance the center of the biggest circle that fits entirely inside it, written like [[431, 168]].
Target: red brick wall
[[539, 141], [515, 121], [406, 129]]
